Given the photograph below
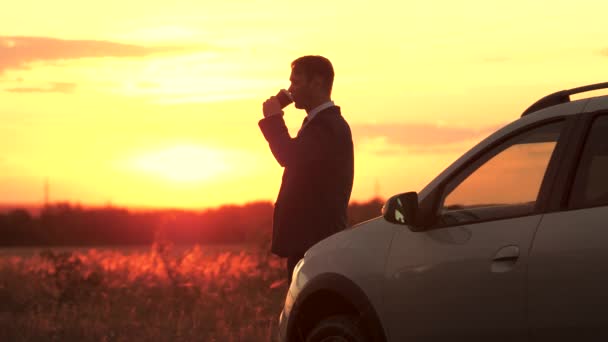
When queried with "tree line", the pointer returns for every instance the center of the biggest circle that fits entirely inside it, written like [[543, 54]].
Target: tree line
[[65, 224]]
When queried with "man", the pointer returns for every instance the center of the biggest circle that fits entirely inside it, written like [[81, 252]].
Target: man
[[318, 162]]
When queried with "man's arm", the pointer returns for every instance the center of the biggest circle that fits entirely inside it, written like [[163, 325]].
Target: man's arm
[[308, 147]]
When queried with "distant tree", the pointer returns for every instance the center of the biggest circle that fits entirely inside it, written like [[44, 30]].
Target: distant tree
[[15, 227], [68, 224], [19, 217]]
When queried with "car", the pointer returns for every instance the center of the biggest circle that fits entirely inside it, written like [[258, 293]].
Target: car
[[510, 242]]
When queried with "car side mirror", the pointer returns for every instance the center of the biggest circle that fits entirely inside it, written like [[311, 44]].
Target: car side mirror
[[401, 209]]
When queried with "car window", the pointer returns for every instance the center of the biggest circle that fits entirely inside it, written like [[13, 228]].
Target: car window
[[504, 182], [591, 181]]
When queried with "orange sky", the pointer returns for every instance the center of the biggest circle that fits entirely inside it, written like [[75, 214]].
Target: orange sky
[[156, 103]]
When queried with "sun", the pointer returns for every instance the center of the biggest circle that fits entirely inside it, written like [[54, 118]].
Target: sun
[[183, 163]]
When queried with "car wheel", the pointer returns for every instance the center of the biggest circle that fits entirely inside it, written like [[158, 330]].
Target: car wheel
[[337, 329]]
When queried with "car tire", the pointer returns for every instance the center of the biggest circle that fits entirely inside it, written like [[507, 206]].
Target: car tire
[[340, 328]]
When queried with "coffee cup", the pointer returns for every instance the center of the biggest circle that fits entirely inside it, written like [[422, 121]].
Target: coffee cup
[[284, 98]]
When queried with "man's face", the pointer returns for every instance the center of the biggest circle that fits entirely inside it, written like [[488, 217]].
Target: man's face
[[301, 90]]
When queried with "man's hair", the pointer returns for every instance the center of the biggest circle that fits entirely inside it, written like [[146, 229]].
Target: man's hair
[[315, 66]]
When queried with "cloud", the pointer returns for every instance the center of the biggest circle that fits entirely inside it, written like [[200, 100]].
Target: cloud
[[19, 52], [420, 136], [402, 138], [55, 87]]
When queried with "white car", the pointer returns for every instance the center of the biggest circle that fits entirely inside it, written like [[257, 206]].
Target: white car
[[508, 243]]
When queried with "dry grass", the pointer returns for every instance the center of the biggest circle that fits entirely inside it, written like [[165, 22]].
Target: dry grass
[[158, 295]]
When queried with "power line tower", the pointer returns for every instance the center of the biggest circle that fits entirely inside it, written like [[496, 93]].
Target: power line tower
[[46, 192], [377, 189]]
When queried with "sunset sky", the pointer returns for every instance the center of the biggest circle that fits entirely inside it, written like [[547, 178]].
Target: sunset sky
[[156, 103]]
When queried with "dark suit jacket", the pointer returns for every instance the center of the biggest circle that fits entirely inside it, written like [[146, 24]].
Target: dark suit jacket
[[317, 180]]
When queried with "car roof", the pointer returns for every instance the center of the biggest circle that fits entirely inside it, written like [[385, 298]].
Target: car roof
[[585, 105], [596, 103], [562, 96]]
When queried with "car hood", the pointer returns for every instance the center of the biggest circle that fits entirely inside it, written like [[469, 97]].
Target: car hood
[[368, 241]]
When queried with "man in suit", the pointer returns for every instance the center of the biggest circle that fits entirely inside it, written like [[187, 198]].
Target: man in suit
[[318, 162]]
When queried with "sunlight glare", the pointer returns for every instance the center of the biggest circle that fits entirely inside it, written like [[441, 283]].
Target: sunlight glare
[[183, 163]]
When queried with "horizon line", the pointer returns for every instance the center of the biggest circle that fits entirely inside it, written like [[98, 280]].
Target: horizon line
[[7, 206]]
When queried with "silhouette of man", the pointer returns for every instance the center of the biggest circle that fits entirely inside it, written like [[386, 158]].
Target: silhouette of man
[[318, 162]]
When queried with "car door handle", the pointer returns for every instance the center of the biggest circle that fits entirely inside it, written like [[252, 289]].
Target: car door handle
[[505, 259]]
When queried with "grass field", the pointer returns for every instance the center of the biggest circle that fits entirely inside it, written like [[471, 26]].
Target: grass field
[[159, 294]]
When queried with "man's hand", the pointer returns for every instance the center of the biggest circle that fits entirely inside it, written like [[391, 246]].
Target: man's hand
[[271, 107]]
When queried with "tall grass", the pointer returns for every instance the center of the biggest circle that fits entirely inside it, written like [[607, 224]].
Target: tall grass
[[158, 295]]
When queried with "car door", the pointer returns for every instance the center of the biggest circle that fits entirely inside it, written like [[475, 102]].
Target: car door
[[568, 271], [464, 279]]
